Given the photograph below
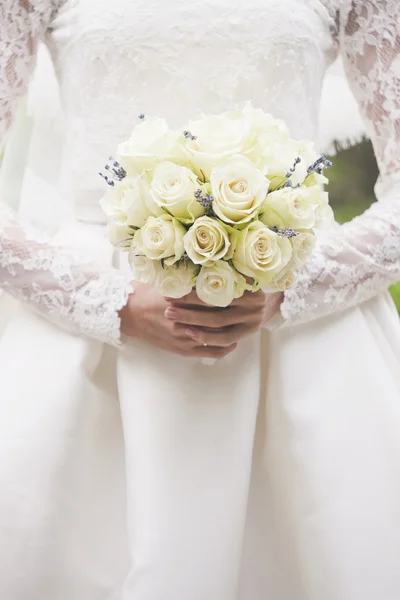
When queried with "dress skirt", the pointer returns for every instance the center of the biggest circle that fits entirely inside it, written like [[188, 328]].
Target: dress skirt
[[135, 474]]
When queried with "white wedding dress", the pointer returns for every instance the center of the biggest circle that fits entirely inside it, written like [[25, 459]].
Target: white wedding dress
[[128, 473]]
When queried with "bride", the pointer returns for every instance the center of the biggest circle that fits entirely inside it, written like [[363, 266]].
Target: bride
[[129, 469]]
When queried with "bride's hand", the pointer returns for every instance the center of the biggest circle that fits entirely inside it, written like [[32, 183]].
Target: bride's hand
[[224, 326], [145, 317]]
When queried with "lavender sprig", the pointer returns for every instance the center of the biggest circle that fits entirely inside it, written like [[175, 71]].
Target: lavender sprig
[[293, 169], [319, 165], [116, 172], [204, 200], [189, 136], [287, 233], [288, 184]]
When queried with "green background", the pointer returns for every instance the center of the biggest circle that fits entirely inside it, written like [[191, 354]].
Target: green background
[[351, 187]]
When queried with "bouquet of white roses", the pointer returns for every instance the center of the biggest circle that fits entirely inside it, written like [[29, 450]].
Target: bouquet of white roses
[[229, 203]]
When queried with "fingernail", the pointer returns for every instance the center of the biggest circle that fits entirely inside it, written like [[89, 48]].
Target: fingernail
[[171, 313]]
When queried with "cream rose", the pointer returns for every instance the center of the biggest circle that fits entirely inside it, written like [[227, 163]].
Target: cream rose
[[261, 253], [177, 280], [267, 136], [127, 202], [216, 137], [219, 284], [279, 153], [260, 122], [160, 238], [283, 283], [289, 208], [303, 245], [120, 236], [150, 142], [316, 179], [287, 281], [323, 212], [173, 188], [207, 240], [239, 189], [324, 216], [144, 269]]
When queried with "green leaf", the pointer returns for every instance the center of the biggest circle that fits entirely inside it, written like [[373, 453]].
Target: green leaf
[[204, 177], [185, 222]]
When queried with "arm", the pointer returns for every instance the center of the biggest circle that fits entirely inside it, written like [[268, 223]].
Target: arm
[[57, 282], [358, 260]]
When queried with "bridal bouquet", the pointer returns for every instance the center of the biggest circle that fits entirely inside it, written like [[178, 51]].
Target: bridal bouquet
[[229, 203]]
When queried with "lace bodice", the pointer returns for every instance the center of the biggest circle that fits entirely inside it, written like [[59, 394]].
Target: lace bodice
[[116, 60]]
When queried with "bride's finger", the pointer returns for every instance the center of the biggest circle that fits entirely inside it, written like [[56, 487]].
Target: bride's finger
[[223, 338], [250, 299], [209, 319], [211, 351], [191, 299]]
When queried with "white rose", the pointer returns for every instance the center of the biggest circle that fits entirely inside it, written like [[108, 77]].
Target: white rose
[[289, 208], [287, 281], [239, 189], [277, 152], [324, 216], [173, 188], [160, 238], [322, 210], [261, 253], [177, 280], [283, 282], [316, 179], [127, 202], [120, 235], [217, 137], [267, 144], [150, 142], [303, 245], [144, 269], [281, 154], [207, 240], [260, 122], [307, 154], [218, 284]]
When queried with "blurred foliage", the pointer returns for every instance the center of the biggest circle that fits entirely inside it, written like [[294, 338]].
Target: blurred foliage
[[351, 187]]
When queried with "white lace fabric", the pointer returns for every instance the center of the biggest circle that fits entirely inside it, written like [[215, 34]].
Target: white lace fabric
[[356, 261], [59, 283], [352, 263]]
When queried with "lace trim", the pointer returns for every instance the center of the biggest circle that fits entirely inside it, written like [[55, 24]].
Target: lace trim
[[354, 262], [60, 283]]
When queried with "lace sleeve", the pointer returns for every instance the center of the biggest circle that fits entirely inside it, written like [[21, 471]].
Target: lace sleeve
[[57, 282], [356, 261]]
